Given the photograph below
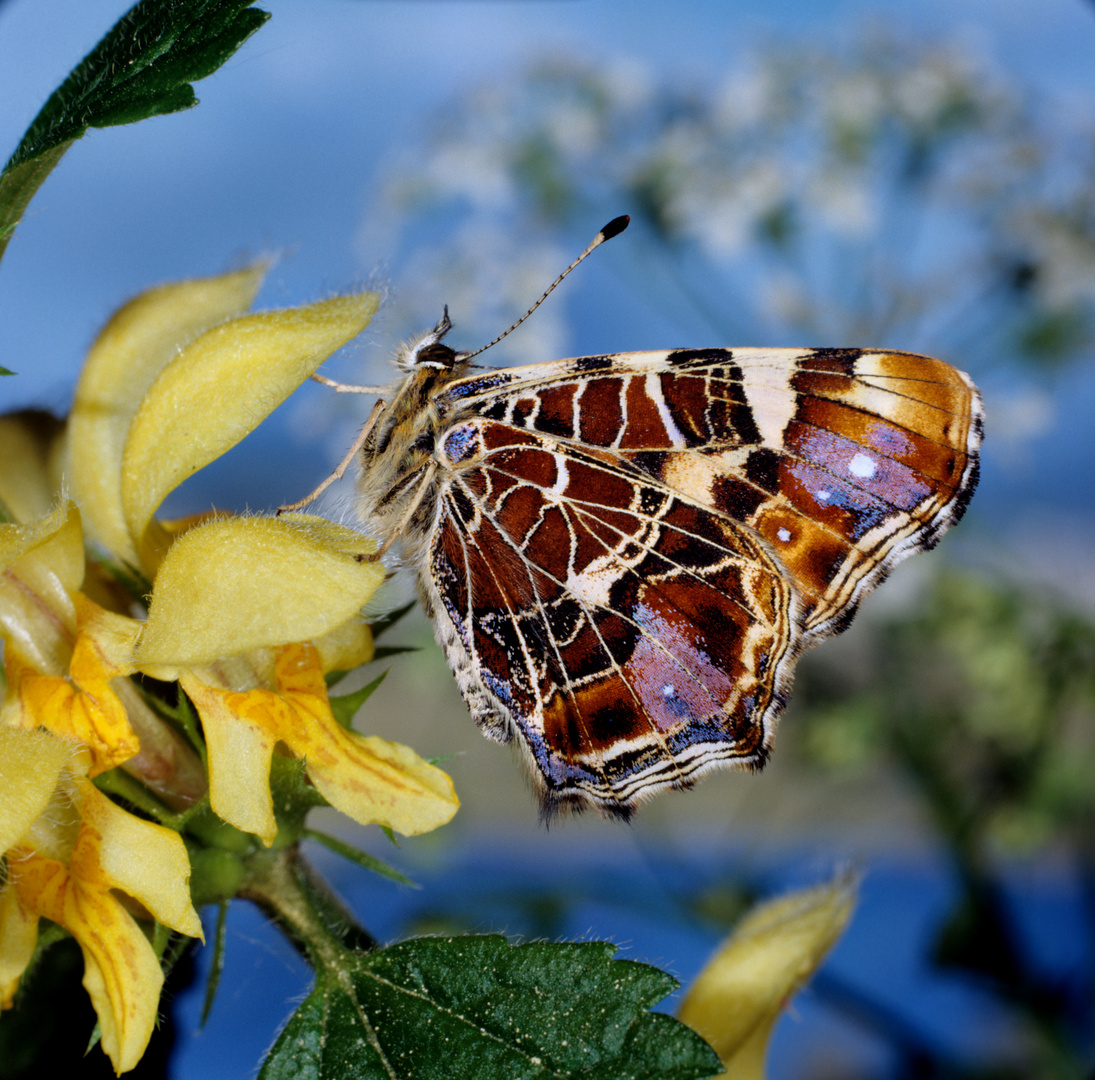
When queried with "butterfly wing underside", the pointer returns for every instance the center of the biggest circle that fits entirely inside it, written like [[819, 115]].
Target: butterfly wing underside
[[631, 551]]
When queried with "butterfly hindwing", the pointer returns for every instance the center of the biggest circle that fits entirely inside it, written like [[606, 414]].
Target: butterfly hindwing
[[630, 637]]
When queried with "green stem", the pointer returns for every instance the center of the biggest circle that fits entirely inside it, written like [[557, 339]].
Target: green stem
[[289, 891]]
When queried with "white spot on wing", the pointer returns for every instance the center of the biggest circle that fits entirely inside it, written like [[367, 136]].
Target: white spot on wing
[[862, 466], [784, 534]]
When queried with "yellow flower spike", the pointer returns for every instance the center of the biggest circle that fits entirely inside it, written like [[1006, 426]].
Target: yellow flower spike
[[84, 706], [737, 998], [197, 408], [30, 444], [228, 587], [369, 779], [130, 352]]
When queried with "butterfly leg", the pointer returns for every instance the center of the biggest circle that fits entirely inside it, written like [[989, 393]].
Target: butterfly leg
[[345, 388], [343, 465], [423, 487]]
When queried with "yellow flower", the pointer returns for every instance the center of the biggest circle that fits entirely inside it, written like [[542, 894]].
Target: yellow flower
[[234, 601], [246, 614], [738, 997], [68, 848], [233, 608], [63, 655], [176, 378]]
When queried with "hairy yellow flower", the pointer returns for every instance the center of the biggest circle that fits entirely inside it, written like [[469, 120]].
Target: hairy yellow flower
[[234, 608], [68, 848], [738, 997], [246, 615]]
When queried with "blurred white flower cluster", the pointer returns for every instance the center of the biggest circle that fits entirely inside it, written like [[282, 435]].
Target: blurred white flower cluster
[[889, 190]]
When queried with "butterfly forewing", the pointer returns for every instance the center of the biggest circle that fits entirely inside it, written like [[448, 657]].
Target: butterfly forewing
[[842, 460], [625, 554]]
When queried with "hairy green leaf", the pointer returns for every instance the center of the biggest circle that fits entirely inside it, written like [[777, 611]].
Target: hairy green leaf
[[143, 67], [478, 1006]]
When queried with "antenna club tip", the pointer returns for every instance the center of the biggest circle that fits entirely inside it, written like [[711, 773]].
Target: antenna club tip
[[615, 227]]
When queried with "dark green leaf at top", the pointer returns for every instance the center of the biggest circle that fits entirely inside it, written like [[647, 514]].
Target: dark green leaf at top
[[478, 1006], [143, 67]]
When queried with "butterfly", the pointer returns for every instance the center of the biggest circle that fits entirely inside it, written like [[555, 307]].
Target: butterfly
[[624, 555]]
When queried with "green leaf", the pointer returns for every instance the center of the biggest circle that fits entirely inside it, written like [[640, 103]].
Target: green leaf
[[384, 652], [478, 1006], [345, 706], [355, 855], [143, 67], [216, 967]]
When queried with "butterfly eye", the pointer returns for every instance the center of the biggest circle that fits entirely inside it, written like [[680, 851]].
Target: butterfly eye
[[434, 355]]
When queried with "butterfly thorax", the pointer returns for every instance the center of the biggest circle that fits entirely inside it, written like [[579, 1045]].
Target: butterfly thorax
[[398, 460]]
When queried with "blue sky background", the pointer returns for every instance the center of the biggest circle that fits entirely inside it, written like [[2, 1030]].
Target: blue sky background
[[281, 152]]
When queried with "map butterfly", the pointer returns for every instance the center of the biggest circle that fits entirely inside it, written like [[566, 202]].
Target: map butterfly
[[624, 555]]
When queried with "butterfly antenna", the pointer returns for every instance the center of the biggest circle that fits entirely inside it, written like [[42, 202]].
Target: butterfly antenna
[[613, 228]]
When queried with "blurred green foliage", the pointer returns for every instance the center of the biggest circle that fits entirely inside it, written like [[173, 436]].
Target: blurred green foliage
[[984, 692]]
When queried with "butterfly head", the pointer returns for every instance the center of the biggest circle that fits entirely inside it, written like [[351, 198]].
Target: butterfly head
[[427, 350]]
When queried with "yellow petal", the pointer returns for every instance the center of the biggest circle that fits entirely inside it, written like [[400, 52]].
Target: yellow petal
[[18, 937], [372, 780], [41, 564], [30, 479], [239, 761], [220, 387], [369, 779], [56, 540], [83, 706], [137, 343], [145, 860], [121, 972], [30, 764], [346, 647], [232, 586], [739, 995]]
